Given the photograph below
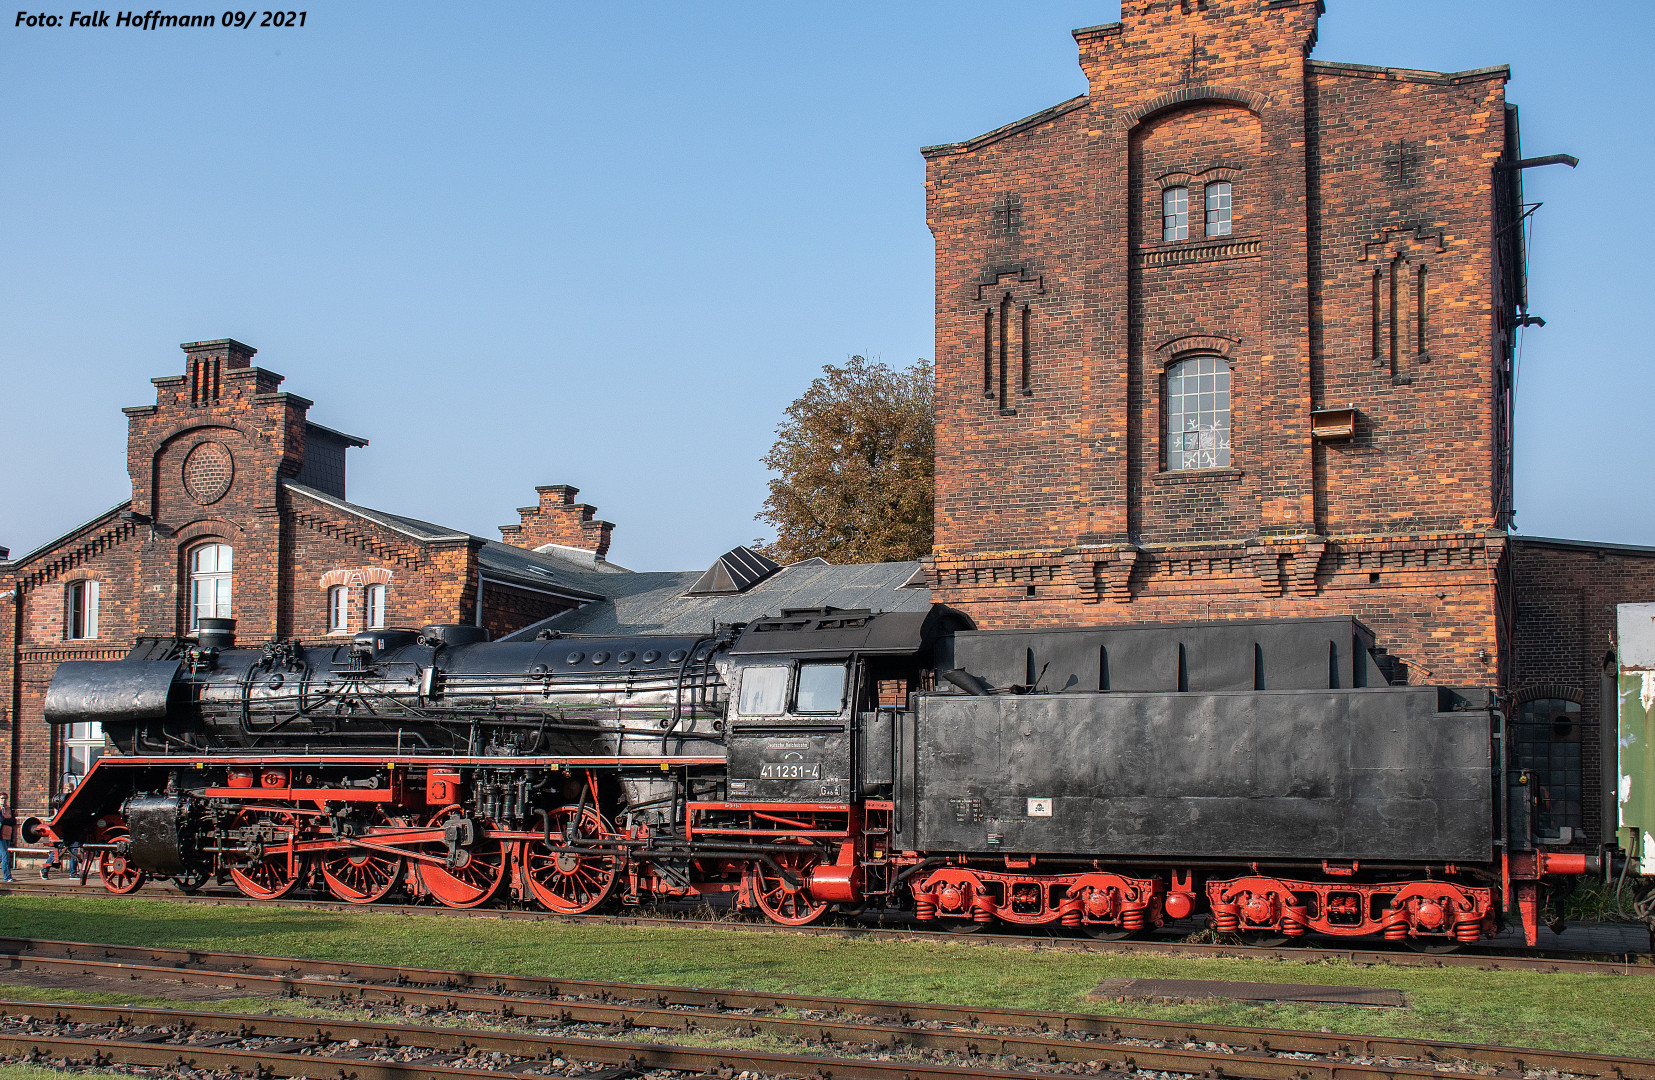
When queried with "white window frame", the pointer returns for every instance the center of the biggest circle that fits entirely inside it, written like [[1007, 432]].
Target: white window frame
[[1218, 202], [1198, 388], [1175, 213], [339, 608], [80, 610], [373, 609], [218, 580], [82, 746]]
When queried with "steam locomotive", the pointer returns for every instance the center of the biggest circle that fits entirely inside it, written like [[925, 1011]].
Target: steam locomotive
[[1262, 774]]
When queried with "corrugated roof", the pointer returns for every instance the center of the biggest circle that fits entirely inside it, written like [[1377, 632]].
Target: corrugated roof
[[657, 603]]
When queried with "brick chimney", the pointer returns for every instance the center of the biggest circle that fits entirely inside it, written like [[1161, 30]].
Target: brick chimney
[[559, 520]]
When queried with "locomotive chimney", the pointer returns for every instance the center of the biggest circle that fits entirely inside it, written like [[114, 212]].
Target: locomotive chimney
[[216, 633]]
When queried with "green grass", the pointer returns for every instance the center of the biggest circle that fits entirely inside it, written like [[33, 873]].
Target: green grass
[[1601, 1013]]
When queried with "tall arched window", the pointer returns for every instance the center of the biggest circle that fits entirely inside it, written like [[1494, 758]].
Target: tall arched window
[[1548, 747], [210, 583], [1198, 413], [1175, 213]]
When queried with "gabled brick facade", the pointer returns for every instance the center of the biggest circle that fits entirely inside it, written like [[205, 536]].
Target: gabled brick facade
[[224, 456], [1362, 301], [1060, 309]]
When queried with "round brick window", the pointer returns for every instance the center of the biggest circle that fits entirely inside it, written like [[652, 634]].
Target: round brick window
[[208, 470]]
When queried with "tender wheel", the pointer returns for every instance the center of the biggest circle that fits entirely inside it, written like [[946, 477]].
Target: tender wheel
[[953, 924], [119, 875], [1103, 932], [567, 882], [1431, 946], [271, 876], [1265, 939], [360, 876], [783, 904], [477, 872]]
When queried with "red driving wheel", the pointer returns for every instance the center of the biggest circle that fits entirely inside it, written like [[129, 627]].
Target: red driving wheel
[[569, 882], [788, 904], [476, 871], [271, 874], [119, 875], [361, 875]]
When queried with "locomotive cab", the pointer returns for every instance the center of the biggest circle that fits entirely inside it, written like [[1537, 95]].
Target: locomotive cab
[[814, 689]]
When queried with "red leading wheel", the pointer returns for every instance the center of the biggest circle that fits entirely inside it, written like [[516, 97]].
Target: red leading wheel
[[570, 882], [270, 873], [119, 875], [474, 874], [791, 905], [360, 875]]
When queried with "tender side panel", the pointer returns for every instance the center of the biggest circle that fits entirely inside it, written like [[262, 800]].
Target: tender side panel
[[1283, 654], [1366, 774]]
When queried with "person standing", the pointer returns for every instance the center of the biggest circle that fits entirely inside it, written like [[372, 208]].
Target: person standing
[[8, 836]]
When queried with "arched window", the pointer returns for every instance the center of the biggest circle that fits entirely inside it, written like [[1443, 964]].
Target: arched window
[[1198, 413], [1218, 208], [1175, 213], [1548, 747], [338, 607], [374, 616], [210, 583]]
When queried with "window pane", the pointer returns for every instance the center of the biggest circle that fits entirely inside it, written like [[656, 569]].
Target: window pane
[[1175, 213], [821, 688], [1547, 744], [1218, 209], [210, 583], [376, 607], [1198, 414], [764, 691]]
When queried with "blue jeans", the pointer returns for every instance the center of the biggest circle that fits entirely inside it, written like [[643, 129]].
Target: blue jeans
[[5, 861]]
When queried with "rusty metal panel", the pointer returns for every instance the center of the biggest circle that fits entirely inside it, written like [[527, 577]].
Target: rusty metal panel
[[1635, 772]]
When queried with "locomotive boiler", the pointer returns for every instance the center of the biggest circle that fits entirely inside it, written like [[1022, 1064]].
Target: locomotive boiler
[[1263, 775]]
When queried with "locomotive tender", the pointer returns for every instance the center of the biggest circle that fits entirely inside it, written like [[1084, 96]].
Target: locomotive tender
[[1262, 773]]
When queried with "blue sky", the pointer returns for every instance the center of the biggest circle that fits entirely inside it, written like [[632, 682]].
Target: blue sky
[[605, 245]]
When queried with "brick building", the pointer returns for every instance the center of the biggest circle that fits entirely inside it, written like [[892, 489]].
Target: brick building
[[238, 509], [1230, 336]]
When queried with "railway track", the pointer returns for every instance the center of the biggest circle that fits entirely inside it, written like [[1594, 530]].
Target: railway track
[[589, 1027], [1486, 958]]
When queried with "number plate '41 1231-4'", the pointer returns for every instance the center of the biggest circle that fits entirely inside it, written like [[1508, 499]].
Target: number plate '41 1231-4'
[[790, 770]]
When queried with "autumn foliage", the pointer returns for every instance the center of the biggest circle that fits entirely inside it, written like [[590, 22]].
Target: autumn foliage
[[854, 464]]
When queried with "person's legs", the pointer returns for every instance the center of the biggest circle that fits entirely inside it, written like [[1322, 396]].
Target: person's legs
[[5, 861]]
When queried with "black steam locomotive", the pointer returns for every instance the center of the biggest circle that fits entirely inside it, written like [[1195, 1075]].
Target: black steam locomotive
[[1264, 774]]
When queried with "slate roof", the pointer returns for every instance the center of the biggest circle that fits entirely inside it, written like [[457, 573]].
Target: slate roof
[[656, 603], [513, 565]]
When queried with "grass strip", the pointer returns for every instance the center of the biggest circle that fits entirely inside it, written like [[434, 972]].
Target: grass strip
[[1595, 1013]]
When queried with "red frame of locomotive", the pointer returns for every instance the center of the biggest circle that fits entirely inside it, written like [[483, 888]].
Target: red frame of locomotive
[[789, 860]]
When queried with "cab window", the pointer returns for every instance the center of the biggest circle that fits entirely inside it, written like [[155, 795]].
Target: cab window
[[764, 690], [821, 688]]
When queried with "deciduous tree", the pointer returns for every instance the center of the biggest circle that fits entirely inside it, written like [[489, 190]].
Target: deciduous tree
[[854, 467]]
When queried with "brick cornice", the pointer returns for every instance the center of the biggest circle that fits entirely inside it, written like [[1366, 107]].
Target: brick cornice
[[67, 558]]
